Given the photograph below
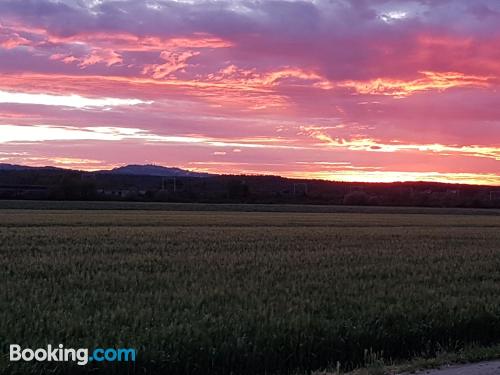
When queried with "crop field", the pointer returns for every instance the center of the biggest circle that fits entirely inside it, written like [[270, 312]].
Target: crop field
[[234, 292]]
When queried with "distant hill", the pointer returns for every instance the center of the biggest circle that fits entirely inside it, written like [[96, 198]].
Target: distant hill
[[16, 167], [130, 170], [11, 167], [154, 170]]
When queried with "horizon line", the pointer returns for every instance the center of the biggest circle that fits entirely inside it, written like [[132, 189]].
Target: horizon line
[[299, 178]]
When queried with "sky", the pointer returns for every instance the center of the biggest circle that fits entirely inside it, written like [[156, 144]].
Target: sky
[[331, 89]]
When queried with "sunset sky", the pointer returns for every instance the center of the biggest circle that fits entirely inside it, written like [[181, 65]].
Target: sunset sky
[[332, 89]]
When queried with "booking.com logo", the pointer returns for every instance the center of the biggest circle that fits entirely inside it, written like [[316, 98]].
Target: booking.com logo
[[80, 356]]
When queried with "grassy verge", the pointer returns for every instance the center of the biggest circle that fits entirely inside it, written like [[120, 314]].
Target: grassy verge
[[378, 366]]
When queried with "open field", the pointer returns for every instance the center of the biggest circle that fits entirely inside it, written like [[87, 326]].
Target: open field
[[205, 291], [237, 207]]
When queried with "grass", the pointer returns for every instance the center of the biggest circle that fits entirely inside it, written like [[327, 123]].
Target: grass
[[200, 292]]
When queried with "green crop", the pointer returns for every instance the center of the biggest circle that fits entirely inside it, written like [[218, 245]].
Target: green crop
[[246, 292]]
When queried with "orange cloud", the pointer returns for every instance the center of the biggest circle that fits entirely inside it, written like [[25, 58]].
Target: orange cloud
[[62, 162], [96, 56], [174, 61], [122, 41], [372, 145], [430, 81], [307, 77], [106, 56], [251, 78], [63, 57], [133, 43]]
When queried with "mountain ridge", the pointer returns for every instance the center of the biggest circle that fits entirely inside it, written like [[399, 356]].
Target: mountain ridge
[[129, 169], [19, 167], [154, 170]]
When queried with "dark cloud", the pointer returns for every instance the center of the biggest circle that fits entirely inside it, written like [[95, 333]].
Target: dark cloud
[[345, 39]]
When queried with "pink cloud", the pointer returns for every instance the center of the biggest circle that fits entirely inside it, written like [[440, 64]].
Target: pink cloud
[[105, 56], [352, 89], [174, 61]]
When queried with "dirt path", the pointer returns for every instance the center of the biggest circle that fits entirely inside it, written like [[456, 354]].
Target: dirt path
[[481, 368]]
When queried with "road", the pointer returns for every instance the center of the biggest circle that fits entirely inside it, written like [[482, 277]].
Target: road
[[482, 368]]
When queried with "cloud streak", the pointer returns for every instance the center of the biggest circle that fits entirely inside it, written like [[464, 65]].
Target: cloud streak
[[75, 101]]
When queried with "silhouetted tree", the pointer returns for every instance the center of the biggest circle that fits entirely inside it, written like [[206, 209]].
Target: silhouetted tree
[[356, 198], [237, 189]]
